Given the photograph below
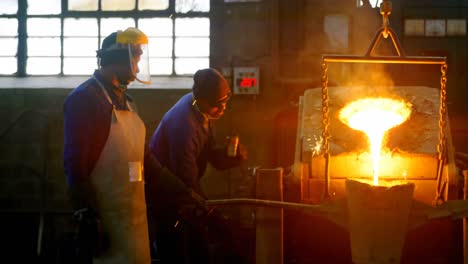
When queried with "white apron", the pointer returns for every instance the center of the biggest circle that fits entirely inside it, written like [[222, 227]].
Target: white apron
[[118, 181]]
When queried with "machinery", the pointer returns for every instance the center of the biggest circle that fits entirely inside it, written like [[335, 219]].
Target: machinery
[[327, 152], [334, 161]]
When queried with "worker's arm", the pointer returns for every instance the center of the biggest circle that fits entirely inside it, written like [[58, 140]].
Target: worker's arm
[[78, 132], [184, 147], [79, 160], [162, 181]]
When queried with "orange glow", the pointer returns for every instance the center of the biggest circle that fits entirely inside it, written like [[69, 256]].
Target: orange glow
[[374, 117]]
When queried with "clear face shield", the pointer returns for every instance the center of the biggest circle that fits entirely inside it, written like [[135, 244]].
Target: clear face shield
[[139, 62]]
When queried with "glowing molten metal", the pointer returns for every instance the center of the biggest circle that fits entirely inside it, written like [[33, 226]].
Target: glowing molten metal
[[374, 117]]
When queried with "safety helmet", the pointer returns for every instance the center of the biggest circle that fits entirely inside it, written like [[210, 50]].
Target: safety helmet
[[131, 41]]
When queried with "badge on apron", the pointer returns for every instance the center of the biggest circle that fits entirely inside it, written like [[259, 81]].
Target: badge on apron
[[135, 171]]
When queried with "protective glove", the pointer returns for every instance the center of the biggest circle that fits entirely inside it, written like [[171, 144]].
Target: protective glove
[[198, 200], [241, 152], [220, 160], [194, 206], [90, 236]]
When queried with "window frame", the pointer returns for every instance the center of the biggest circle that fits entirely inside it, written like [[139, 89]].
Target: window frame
[[135, 14]]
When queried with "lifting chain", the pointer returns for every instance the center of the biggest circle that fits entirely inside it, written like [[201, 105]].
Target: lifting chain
[[325, 110], [441, 147], [325, 131]]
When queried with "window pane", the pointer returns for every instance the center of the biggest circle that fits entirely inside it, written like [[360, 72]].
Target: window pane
[[9, 27], [76, 47], [435, 27], [192, 27], [116, 5], [109, 25], [49, 27], [37, 65], [414, 27], [456, 27], [83, 5], [79, 66], [161, 66], [44, 7], [185, 6], [9, 7], [8, 65], [83, 27], [44, 46], [153, 4], [160, 47], [9, 46], [156, 26], [190, 65], [192, 47]]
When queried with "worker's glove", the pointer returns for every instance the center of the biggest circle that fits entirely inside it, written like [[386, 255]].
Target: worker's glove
[[193, 211], [90, 237], [194, 206], [198, 200], [242, 153]]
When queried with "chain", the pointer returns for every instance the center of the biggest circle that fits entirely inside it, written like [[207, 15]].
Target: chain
[[325, 132], [443, 110], [441, 147], [325, 110]]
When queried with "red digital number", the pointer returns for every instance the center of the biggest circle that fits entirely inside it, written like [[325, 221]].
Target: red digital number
[[247, 82]]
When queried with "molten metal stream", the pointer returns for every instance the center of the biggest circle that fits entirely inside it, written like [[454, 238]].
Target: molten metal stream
[[374, 117]]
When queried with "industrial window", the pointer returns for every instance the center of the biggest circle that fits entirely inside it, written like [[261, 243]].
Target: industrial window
[[435, 27], [60, 37]]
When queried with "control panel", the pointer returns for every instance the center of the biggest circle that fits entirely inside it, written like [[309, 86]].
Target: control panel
[[246, 80]]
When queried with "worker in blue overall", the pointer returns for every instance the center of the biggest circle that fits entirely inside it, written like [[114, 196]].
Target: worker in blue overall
[[104, 147], [184, 144]]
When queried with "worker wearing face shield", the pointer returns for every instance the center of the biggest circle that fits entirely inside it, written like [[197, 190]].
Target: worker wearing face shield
[[184, 143], [104, 151], [104, 155]]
